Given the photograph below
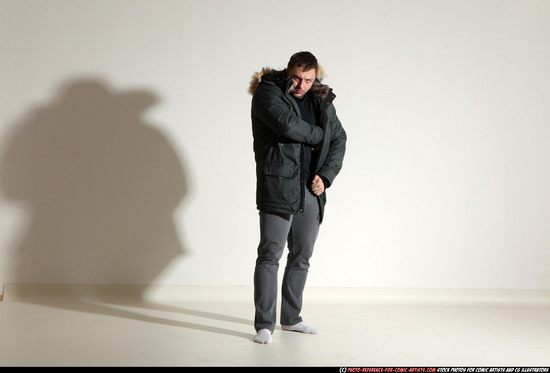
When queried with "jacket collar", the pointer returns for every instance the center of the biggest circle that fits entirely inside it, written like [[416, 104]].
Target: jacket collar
[[279, 77]]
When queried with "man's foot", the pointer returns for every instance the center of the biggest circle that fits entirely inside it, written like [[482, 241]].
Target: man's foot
[[263, 336], [300, 327]]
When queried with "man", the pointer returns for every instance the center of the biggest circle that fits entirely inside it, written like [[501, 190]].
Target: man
[[299, 146]]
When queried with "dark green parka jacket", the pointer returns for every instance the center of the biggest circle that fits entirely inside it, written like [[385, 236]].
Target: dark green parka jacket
[[280, 136]]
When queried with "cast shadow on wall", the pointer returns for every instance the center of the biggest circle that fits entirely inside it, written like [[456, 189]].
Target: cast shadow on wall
[[101, 186]]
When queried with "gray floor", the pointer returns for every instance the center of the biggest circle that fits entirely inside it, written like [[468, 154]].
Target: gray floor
[[194, 326]]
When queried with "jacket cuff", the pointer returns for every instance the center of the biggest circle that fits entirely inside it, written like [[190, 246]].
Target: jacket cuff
[[325, 181]]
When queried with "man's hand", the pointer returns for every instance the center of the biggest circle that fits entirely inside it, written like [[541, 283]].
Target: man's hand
[[317, 186]]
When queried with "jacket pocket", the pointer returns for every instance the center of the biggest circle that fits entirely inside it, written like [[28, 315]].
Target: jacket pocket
[[278, 163], [280, 184]]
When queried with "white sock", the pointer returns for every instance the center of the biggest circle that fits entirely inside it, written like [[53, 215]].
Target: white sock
[[300, 327], [263, 336]]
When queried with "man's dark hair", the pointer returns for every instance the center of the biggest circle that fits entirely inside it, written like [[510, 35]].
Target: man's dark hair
[[305, 60]]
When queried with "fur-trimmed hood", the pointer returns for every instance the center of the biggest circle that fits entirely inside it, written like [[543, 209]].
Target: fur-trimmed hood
[[318, 89]]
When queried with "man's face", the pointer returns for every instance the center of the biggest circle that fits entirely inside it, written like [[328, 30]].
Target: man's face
[[303, 80]]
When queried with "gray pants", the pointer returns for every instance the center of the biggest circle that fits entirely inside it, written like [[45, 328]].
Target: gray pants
[[276, 230]]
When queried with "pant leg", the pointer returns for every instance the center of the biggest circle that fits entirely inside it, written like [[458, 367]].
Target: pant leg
[[274, 231], [303, 234]]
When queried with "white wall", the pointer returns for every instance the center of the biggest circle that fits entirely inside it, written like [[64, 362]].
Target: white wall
[[126, 149]]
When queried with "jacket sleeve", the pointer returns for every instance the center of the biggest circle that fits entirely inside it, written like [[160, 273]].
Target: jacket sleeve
[[269, 106], [334, 159]]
